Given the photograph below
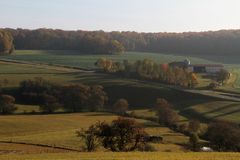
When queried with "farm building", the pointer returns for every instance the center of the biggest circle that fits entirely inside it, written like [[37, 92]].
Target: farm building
[[198, 68], [205, 68]]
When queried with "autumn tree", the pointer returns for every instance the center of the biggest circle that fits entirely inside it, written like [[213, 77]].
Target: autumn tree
[[223, 75], [122, 135], [194, 141], [7, 104], [120, 106], [50, 104], [116, 47], [75, 97], [193, 126], [166, 115], [105, 64], [6, 42], [90, 137], [97, 98]]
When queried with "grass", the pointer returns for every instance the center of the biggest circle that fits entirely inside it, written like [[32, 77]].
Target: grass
[[73, 58], [9, 148], [223, 110], [23, 109], [132, 90], [127, 156], [59, 130]]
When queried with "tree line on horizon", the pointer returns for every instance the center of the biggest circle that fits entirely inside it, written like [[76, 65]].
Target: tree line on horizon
[[224, 42]]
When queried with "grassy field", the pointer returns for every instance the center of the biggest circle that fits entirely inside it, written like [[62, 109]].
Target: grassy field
[[223, 110], [134, 91], [126, 156], [59, 130], [73, 58]]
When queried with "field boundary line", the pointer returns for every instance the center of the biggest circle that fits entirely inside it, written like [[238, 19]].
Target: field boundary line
[[41, 145], [44, 65]]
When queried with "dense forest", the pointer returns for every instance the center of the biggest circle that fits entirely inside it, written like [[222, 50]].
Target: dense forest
[[224, 42]]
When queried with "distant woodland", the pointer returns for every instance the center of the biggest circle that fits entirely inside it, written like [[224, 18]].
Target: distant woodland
[[224, 42]]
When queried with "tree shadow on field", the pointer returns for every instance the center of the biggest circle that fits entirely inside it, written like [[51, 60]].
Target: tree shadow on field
[[221, 108], [225, 114]]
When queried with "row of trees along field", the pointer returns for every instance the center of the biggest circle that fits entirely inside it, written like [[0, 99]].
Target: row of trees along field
[[148, 69], [6, 42], [202, 43], [71, 98]]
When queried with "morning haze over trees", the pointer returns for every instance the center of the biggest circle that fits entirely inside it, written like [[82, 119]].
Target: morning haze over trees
[[193, 43]]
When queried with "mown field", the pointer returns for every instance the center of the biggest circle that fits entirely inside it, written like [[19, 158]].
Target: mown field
[[59, 130]]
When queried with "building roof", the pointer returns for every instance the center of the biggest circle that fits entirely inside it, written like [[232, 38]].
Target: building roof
[[206, 65]]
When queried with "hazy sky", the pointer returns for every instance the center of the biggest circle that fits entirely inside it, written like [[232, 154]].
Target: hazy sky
[[133, 15]]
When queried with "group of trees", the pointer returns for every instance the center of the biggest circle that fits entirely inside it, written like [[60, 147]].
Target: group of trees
[[97, 42], [6, 42], [148, 69], [71, 98], [121, 135], [202, 43], [224, 136]]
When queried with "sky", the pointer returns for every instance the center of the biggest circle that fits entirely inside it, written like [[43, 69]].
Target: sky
[[121, 15]]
